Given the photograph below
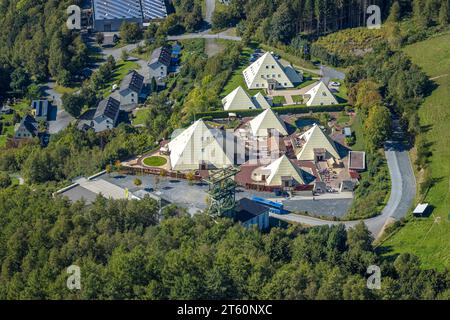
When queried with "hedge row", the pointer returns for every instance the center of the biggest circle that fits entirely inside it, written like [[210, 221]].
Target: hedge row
[[300, 109]]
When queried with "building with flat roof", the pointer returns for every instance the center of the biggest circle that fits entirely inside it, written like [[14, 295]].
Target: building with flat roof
[[110, 14], [250, 213]]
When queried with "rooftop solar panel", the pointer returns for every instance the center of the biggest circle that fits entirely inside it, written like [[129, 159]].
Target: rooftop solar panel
[[154, 9], [117, 9], [129, 9]]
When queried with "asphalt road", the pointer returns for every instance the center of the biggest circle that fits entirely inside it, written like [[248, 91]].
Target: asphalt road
[[403, 190]]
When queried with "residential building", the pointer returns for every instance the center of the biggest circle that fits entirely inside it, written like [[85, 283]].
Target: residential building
[[317, 146], [265, 122], [268, 73], [251, 213], [282, 172], [159, 63], [26, 129], [41, 109], [239, 99], [106, 115], [320, 95], [110, 14], [130, 89]]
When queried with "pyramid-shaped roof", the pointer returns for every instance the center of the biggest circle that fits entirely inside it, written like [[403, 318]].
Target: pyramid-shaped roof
[[267, 120], [281, 168], [315, 138], [238, 99], [260, 101], [320, 95], [263, 69], [198, 144]]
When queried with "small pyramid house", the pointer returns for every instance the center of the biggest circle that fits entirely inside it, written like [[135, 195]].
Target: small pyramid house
[[266, 121], [282, 170], [266, 73], [198, 145], [239, 99], [320, 95], [317, 146], [260, 101]]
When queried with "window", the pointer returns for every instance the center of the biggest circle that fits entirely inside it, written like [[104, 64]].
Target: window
[[324, 94], [257, 85], [279, 76], [267, 67], [273, 67]]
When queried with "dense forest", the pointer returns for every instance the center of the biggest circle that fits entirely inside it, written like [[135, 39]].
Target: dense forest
[[280, 21], [126, 250], [124, 253], [35, 45]]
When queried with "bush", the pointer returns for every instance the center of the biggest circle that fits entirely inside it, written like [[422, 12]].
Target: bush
[[299, 109], [5, 180]]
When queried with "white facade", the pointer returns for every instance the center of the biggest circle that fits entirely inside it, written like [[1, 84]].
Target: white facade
[[266, 73], [158, 70], [128, 97], [266, 121], [280, 169], [238, 99], [320, 95], [199, 146], [315, 139]]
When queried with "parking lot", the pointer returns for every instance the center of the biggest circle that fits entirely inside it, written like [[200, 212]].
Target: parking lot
[[192, 196]]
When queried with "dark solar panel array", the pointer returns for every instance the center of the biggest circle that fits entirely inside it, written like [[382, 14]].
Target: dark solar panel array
[[126, 9], [154, 9]]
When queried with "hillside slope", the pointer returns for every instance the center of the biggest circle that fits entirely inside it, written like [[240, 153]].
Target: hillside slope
[[429, 238]]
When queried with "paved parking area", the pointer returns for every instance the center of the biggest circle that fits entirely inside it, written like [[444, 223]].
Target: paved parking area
[[193, 196]]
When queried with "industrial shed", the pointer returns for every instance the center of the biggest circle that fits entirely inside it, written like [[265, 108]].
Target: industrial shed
[[110, 14]]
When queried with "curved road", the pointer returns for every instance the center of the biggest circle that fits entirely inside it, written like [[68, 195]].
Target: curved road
[[403, 190]]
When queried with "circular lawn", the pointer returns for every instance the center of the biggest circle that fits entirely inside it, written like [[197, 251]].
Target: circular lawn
[[155, 161]]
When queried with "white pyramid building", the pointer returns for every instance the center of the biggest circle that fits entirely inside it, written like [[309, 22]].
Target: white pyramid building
[[280, 169], [320, 95], [317, 145], [266, 73], [267, 120], [260, 101], [238, 99], [198, 145]]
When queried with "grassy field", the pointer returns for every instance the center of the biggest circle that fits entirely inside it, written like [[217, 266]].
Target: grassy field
[[122, 69], [140, 116], [429, 238], [279, 100], [155, 161], [237, 78]]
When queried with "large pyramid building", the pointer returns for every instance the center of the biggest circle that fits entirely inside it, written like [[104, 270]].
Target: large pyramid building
[[199, 146], [317, 146], [266, 73]]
